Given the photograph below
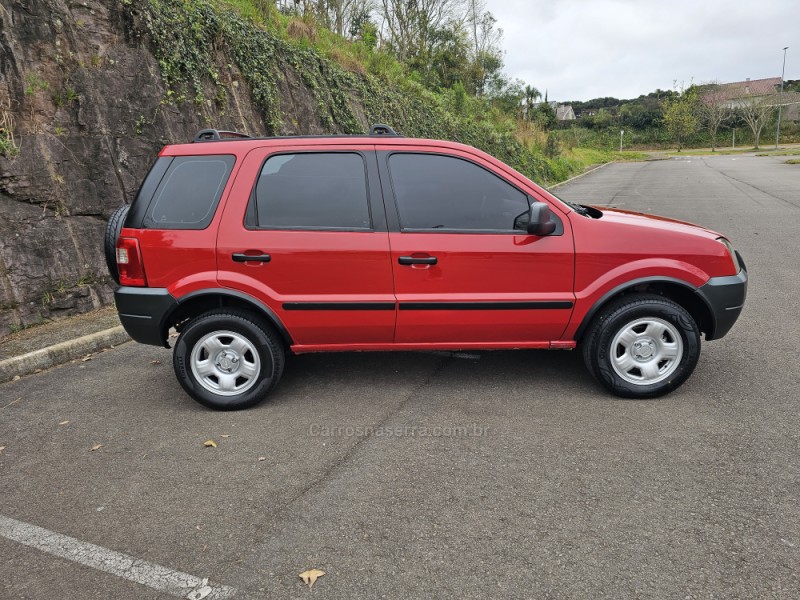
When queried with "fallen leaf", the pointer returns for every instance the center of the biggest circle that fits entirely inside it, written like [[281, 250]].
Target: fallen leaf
[[2, 448], [210, 444], [262, 458], [155, 362], [311, 576], [226, 435], [95, 447], [63, 422]]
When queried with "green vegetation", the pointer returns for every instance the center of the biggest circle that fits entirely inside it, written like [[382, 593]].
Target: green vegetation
[[35, 83], [8, 146], [442, 89], [795, 152], [699, 116], [437, 73], [680, 116]]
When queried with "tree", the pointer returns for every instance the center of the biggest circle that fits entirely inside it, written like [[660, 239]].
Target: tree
[[544, 116], [756, 112], [530, 95], [680, 115], [506, 95], [410, 23], [714, 109], [445, 61], [342, 16], [487, 56]]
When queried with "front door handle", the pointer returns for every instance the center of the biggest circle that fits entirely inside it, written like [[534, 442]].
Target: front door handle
[[241, 257], [414, 260]]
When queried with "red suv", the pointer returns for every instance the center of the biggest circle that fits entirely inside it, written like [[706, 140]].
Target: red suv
[[252, 248]]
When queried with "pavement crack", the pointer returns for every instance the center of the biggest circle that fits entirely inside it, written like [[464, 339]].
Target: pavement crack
[[750, 185], [266, 530], [361, 440]]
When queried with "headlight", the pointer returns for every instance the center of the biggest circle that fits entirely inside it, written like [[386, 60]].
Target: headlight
[[731, 253]]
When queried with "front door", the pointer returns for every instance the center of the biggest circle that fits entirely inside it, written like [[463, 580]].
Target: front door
[[462, 273]]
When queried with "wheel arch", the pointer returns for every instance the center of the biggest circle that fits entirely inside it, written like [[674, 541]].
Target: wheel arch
[[196, 303], [680, 292]]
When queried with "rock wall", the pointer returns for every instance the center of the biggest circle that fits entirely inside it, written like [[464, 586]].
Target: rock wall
[[83, 97]]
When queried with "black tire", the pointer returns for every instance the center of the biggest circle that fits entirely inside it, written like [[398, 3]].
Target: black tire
[[661, 361], [113, 227], [243, 345]]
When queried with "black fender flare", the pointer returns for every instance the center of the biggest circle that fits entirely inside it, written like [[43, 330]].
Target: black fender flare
[[587, 319], [241, 298]]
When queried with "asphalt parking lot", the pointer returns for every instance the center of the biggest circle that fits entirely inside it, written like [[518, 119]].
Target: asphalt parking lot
[[492, 475]]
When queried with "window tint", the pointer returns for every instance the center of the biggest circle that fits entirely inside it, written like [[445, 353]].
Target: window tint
[[189, 192], [442, 192], [147, 190], [314, 190]]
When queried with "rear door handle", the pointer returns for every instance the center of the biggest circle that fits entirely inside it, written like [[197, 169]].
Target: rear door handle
[[413, 260], [241, 257]]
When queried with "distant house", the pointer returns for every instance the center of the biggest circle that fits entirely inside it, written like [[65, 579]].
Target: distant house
[[564, 112], [739, 93]]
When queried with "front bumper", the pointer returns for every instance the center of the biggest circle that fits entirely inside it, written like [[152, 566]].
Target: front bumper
[[725, 297], [143, 313]]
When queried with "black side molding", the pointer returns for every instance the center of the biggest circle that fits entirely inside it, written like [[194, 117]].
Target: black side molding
[[338, 306], [542, 305]]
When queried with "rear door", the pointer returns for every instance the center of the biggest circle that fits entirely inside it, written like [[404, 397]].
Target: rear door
[[305, 232], [462, 273]]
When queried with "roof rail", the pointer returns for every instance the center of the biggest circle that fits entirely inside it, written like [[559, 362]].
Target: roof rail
[[381, 129], [215, 135]]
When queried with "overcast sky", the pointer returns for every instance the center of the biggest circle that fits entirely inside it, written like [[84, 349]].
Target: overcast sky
[[583, 49]]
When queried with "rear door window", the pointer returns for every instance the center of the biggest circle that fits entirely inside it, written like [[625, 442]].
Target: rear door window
[[314, 190], [189, 192]]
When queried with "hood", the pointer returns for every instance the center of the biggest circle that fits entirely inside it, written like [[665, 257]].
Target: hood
[[627, 217]]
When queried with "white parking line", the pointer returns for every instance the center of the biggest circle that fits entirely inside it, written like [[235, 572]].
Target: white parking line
[[122, 565]]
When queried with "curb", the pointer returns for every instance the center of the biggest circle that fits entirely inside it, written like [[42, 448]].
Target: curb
[[58, 354], [592, 170]]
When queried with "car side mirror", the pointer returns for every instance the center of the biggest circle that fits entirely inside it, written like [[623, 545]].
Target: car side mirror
[[538, 220]]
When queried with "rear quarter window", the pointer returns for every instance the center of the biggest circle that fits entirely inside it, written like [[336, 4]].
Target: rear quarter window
[[188, 192]]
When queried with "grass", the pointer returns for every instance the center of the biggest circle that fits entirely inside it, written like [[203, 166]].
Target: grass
[[761, 151], [793, 161], [781, 153], [575, 161], [595, 156], [708, 152]]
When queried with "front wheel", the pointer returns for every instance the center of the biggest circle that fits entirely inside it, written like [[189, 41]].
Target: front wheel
[[228, 360], [642, 346]]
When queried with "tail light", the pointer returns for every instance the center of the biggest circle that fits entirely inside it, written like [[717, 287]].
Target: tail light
[[129, 263]]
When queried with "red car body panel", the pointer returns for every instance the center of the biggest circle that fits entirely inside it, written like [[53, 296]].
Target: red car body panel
[[564, 275]]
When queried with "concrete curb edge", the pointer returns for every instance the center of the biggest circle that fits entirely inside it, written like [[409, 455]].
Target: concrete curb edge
[[592, 170], [61, 353]]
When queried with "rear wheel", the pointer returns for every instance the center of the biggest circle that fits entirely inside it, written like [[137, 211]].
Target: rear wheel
[[642, 346], [228, 360], [113, 228]]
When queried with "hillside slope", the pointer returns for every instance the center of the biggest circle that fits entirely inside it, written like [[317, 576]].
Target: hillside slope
[[89, 92]]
